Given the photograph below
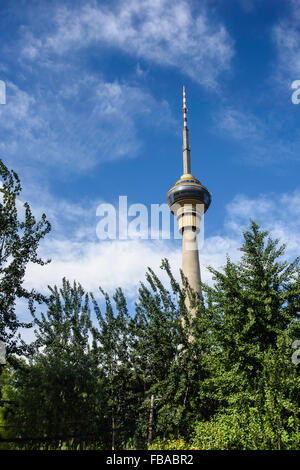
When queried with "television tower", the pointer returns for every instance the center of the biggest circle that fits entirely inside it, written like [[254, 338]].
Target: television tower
[[188, 200]]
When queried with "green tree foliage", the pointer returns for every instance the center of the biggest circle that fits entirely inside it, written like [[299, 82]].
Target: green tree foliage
[[148, 354], [58, 391], [111, 348], [252, 304], [222, 379], [7, 431], [253, 308], [234, 429], [20, 235], [165, 358]]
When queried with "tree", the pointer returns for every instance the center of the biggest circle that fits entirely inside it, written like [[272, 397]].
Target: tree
[[19, 241], [7, 430], [152, 371], [225, 373], [248, 392], [170, 366], [252, 304], [58, 393], [112, 336]]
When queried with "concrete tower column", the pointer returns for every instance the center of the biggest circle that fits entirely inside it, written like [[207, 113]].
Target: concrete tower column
[[190, 258]]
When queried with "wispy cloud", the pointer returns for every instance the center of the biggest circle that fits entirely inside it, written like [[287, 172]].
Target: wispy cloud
[[239, 124], [159, 31], [260, 139], [123, 263], [286, 37], [78, 124], [278, 213]]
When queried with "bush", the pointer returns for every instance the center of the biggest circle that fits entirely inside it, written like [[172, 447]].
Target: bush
[[234, 430]]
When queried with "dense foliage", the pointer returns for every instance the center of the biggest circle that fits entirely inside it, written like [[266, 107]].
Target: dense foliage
[[101, 376], [20, 235]]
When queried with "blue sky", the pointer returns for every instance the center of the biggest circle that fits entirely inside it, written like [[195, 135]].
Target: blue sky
[[94, 110]]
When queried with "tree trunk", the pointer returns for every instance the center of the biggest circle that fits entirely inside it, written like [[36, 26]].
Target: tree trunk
[[150, 426]]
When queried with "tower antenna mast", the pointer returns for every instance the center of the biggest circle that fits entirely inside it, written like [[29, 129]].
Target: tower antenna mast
[[186, 149]]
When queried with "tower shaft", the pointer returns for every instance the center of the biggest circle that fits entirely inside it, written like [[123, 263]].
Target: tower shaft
[[190, 259]]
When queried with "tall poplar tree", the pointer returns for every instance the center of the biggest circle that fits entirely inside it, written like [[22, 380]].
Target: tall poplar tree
[[20, 235], [111, 346], [58, 394], [172, 367]]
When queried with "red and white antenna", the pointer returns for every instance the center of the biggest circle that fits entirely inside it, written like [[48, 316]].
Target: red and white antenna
[[184, 109], [186, 149]]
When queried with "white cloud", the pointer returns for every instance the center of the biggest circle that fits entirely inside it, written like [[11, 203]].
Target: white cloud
[[260, 139], [277, 213], [112, 264], [286, 36], [82, 122], [18, 114], [123, 263], [161, 31], [238, 124], [108, 264]]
